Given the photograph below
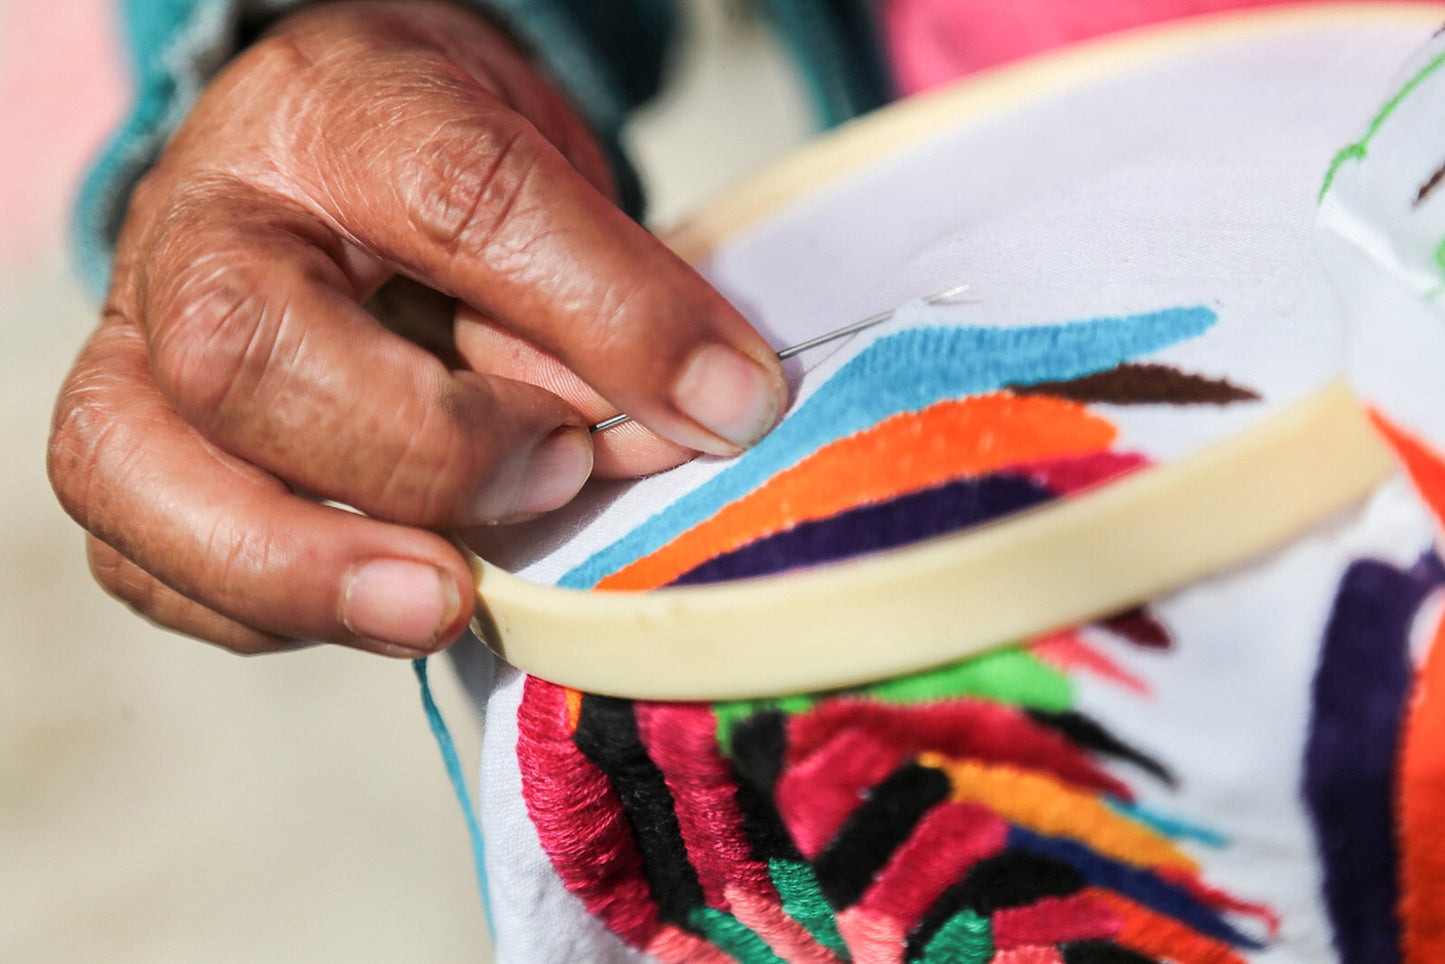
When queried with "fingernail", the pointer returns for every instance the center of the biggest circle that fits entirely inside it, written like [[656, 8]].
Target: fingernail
[[728, 394], [400, 602], [559, 467]]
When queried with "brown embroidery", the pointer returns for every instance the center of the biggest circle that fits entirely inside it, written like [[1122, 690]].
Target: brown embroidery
[[1142, 384], [1430, 185]]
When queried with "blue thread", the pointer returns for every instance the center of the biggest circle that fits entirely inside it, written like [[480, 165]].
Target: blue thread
[[1170, 827], [1136, 883], [906, 371], [459, 783]]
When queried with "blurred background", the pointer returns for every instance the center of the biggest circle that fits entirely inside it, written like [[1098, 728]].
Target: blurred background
[[161, 800]]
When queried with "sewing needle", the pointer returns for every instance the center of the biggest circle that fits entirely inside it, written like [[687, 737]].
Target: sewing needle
[[823, 339]]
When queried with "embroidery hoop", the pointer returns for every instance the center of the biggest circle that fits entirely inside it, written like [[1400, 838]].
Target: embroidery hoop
[[935, 602]]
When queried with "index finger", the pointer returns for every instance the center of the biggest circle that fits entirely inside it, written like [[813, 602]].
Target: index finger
[[465, 194]]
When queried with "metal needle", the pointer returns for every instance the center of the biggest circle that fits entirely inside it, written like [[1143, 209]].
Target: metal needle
[[857, 326]]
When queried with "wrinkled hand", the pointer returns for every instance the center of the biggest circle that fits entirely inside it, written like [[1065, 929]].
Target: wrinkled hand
[[237, 372]]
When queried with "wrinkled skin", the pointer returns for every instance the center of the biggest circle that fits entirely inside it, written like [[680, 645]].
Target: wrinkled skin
[[366, 161]]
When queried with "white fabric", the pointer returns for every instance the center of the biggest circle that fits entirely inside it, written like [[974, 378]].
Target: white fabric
[[1386, 249], [1230, 704], [534, 918], [1227, 710], [1192, 182]]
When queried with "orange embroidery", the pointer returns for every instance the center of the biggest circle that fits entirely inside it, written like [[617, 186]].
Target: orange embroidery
[[1425, 467], [1422, 803], [574, 708], [906, 453], [1163, 937], [1047, 806]]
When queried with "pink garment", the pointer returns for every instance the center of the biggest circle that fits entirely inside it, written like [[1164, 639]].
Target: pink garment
[[934, 41], [63, 85]]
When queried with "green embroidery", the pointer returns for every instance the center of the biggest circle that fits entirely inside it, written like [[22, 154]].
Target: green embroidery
[[1010, 675], [732, 936], [1357, 150], [1439, 289], [803, 901], [730, 714], [966, 939], [1014, 676]]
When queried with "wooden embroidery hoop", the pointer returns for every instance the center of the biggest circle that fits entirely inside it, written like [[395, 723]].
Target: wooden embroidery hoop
[[931, 603]]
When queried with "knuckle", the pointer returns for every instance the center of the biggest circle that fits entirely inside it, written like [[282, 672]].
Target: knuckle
[[461, 187], [434, 476], [121, 578], [217, 303], [629, 326], [289, 55], [238, 557], [81, 447], [212, 337], [612, 329], [151, 599], [282, 70], [69, 453]]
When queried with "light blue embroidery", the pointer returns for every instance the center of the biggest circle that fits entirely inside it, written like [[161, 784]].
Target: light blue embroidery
[[1170, 827], [904, 372]]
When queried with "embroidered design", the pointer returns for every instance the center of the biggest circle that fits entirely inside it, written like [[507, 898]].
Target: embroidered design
[[950, 815], [942, 442], [1360, 697], [1428, 188], [1426, 469], [880, 824], [905, 372], [1143, 384], [1139, 627], [1439, 263], [872, 528], [1422, 797], [1068, 652], [1359, 149], [1420, 781], [967, 813]]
